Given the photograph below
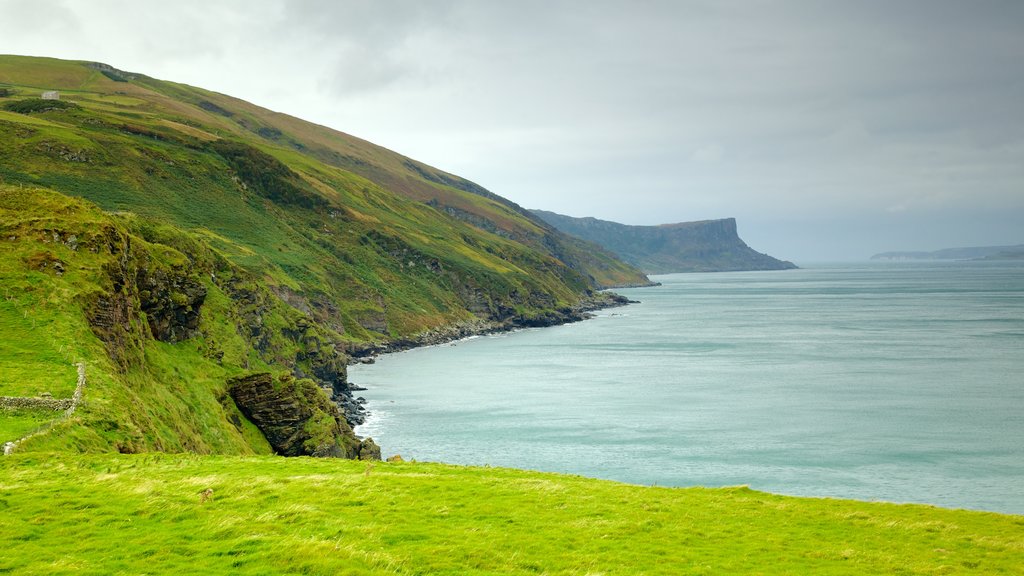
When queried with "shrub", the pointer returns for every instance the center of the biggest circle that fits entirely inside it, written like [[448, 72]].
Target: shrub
[[30, 105]]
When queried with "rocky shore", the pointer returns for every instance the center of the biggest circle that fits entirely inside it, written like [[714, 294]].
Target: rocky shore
[[353, 407]]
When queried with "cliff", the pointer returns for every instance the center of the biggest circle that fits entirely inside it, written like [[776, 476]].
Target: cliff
[[173, 238], [703, 246]]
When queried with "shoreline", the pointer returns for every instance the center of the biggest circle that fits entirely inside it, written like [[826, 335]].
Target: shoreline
[[479, 327], [353, 406]]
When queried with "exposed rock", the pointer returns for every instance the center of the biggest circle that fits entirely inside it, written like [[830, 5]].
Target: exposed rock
[[172, 300], [296, 417], [364, 354], [368, 450], [395, 458]]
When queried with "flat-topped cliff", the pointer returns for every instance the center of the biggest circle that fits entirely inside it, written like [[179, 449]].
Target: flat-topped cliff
[[702, 246]]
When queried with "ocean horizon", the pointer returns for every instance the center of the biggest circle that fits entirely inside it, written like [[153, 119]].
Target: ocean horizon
[[882, 381]]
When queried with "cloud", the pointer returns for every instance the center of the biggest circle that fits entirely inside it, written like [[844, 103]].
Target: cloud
[[708, 154], [773, 111]]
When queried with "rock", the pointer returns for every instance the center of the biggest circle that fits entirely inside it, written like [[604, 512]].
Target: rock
[[296, 417], [395, 458], [172, 300], [368, 450]]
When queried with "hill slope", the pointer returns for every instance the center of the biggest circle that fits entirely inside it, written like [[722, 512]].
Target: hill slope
[[215, 240], [704, 246]]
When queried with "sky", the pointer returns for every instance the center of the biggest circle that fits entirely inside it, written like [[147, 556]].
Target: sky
[[831, 130]]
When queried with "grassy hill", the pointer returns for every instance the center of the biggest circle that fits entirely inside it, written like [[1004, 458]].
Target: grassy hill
[[173, 238], [146, 514], [212, 265]]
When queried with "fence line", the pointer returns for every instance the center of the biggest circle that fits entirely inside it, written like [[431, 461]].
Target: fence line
[[76, 398]]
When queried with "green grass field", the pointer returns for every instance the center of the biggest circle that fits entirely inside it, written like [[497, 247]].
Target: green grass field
[[307, 243], [111, 514], [16, 425]]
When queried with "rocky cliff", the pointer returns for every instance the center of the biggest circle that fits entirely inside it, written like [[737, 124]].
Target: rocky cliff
[[703, 246], [297, 418], [174, 238]]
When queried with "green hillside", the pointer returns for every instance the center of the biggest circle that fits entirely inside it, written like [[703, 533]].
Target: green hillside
[[147, 514], [185, 276], [214, 239]]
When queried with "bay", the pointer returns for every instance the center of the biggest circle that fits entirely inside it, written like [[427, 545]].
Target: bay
[[879, 381]]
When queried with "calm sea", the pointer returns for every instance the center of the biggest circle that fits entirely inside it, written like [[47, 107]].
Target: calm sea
[[895, 381]]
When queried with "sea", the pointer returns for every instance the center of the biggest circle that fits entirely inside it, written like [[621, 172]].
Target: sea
[[878, 381]]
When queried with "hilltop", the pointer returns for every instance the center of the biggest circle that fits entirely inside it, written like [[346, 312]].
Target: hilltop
[[209, 260], [702, 246]]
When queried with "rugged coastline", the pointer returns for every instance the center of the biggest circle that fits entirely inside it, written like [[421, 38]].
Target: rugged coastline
[[353, 407]]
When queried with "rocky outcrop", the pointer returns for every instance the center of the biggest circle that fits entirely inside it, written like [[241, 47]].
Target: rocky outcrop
[[171, 300], [138, 291], [703, 246], [368, 450], [297, 418]]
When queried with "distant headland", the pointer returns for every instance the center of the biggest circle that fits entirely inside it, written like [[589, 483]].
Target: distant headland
[[702, 246], [970, 253]]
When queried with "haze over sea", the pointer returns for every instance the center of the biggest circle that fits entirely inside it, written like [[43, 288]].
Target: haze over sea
[[901, 382]]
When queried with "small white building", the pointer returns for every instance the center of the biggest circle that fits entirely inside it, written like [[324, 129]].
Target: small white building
[[51, 95]]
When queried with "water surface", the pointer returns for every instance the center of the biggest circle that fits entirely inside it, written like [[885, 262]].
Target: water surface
[[898, 382]]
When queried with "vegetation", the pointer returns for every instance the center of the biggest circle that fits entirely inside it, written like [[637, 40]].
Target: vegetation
[[30, 105], [212, 240], [148, 514], [176, 240]]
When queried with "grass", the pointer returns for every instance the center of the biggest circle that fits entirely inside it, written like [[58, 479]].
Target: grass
[[351, 236], [33, 360], [18, 424], [143, 514]]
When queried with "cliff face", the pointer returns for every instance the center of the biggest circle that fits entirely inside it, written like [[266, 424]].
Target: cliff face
[[703, 246], [297, 418], [178, 238]]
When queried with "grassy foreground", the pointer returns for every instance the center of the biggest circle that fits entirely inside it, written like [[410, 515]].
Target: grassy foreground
[[106, 514]]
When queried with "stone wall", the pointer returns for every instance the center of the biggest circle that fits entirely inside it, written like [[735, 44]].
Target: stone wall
[[68, 405], [39, 403]]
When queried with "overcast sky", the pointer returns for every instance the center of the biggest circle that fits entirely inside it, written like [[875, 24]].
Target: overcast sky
[[830, 130]]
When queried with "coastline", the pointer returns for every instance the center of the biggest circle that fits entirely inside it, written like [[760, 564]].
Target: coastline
[[479, 327], [353, 406], [555, 400]]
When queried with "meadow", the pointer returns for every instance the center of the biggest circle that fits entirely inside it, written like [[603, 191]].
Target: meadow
[[118, 514]]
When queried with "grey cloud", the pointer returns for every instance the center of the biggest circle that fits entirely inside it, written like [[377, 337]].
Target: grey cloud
[[779, 112]]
